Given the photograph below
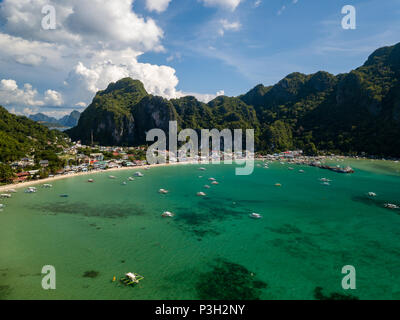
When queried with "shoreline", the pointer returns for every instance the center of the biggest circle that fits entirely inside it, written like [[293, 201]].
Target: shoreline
[[78, 174], [8, 187]]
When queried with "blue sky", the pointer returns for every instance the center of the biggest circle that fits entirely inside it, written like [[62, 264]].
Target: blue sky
[[200, 47], [305, 37]]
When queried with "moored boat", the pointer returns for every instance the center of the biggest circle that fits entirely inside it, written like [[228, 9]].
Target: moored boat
[[131, 279], [167, 214], [391, 206]]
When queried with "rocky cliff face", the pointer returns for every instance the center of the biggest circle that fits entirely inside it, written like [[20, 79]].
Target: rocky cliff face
[[122, 114]]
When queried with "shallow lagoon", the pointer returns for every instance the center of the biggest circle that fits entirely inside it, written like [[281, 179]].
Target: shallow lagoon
[[211, 248]]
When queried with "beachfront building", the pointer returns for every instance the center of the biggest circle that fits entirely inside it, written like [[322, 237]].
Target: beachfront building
[[44, 163], [97, 157]]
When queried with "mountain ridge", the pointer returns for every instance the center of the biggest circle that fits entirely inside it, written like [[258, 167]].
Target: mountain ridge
[[70, 120], [353, 112]]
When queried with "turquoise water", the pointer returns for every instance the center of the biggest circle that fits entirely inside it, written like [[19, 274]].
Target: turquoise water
[[307, 234]]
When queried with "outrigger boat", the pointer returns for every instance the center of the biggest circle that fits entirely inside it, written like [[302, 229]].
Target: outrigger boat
[[31, 190], [131, 279], [391, 206], [255, 215], [168, 214]]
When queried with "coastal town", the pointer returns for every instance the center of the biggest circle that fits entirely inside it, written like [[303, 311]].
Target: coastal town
[[79, 158]]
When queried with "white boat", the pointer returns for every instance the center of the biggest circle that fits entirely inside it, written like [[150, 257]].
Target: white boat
[[90, 180], [290, 168], [5, 195], [167, 214], [131, 179], [124, 183], [325, 183], [301, 171], [48, 186], [112, 177], [372, 194], [139, 174], [207, 187], [11, 191], [163, 191], [2, 206], [391, 206], [212, 179], [325, 180], [215, 182], [202, 169], [201, 194], [255, 216], [31, 190]]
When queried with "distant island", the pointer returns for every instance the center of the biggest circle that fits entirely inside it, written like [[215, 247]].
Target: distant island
[[65, 122]]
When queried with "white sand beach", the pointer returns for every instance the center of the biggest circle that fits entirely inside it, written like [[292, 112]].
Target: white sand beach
[[27, 184]]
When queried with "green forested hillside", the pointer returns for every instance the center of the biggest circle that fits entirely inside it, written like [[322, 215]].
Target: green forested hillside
[[349, 113], [20, 136]]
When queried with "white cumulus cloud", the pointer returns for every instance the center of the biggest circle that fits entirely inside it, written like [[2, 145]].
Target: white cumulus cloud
[[157, 5], [12, 94], [95, 42], [226, 4], [229, 26]]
